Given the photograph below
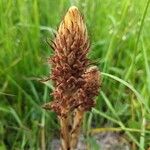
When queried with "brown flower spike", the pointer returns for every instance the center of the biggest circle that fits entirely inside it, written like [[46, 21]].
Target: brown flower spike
[[75, 83]]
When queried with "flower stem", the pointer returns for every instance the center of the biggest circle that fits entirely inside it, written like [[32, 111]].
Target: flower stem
[[77, 121], [64, 134]]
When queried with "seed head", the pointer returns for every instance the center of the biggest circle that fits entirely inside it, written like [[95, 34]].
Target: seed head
[[73, 82]]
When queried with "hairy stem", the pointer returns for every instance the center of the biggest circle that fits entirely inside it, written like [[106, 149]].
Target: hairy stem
[[64, 134], [77, 121]]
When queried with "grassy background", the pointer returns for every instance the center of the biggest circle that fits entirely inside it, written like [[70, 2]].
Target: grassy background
[[119, 33]]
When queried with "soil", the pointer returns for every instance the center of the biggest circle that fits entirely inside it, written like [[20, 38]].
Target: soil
[[101, 141]]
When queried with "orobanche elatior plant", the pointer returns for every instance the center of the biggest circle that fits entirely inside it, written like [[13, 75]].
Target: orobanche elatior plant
[[76, 82]]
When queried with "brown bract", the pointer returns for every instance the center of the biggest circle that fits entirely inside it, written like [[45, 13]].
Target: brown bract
[[75, 85]]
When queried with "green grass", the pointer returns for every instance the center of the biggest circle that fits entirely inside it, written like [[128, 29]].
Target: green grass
[[119, 33]]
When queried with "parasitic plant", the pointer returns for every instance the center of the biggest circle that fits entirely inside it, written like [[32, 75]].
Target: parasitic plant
[[76, 83]]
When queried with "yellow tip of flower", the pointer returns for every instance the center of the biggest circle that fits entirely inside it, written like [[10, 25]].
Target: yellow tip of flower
[[73, 8], [73, 22]]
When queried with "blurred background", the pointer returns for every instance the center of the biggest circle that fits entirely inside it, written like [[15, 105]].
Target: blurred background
[[120, 46]]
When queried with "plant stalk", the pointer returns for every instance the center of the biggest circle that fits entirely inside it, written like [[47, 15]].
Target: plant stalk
[[64, 134], [75, 132]]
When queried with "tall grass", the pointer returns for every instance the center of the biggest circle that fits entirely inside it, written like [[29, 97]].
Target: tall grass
[[119, 33]]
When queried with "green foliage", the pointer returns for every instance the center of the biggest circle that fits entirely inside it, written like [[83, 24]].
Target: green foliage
[[119, 33]]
